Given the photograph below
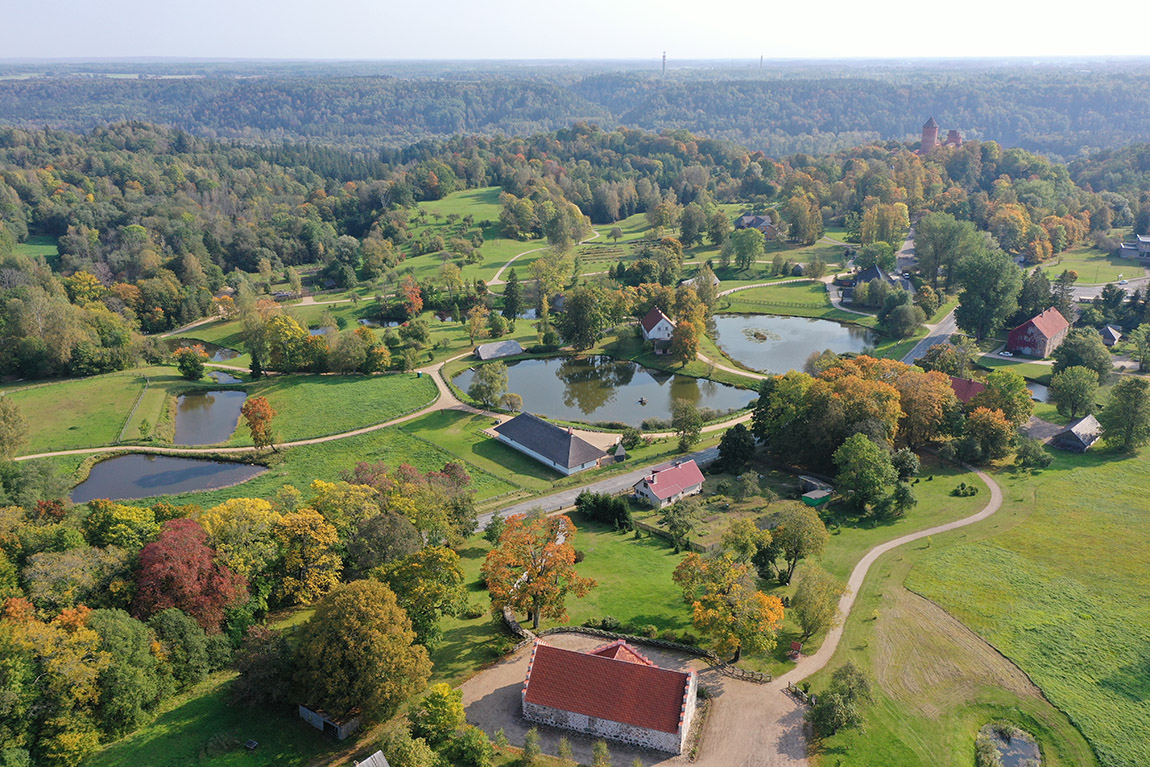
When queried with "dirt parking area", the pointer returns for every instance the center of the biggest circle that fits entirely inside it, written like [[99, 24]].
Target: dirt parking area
[[748, 725]]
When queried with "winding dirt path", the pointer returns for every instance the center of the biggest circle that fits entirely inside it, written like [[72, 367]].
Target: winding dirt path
[[498, 278]]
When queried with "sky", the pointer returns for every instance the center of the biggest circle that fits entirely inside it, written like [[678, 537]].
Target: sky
[[588, 29]]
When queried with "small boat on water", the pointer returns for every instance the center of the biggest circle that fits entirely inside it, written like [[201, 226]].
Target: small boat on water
[[642, 400]]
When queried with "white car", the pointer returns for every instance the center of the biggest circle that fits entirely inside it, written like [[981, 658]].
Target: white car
[[1123, 282], [1005, 354]]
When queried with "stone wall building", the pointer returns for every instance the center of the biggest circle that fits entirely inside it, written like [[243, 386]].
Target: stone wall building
[[1038, 336], [612, 692]]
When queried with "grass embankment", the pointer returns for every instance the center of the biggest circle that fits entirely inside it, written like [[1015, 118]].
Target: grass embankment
[[41, 246], [78, 413], [1063, 593], [1052, 581]]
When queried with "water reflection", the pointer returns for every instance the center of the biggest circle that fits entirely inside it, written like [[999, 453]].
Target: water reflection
[[207, 417], [604, 389], [777, 344], [143, 476]]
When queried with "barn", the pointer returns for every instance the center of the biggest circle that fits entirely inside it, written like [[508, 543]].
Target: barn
[[612, 692], [1038, 336]]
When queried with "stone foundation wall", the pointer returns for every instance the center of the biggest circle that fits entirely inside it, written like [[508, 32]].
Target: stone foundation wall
[[670, 742]]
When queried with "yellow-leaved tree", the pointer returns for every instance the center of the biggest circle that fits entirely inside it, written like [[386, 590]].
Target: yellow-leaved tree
[[310, 567]]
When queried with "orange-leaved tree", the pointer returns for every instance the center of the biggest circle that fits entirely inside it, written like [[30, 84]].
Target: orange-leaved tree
[[727, 606], [532, 569], [259, 414]]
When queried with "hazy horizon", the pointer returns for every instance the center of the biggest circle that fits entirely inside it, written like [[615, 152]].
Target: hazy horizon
[[595, 30]]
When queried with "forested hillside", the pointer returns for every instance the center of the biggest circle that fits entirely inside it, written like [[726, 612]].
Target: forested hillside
[[1058, 109]]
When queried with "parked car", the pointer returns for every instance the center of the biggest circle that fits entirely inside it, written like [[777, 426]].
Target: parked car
[[1123, 282], [1005, 354]]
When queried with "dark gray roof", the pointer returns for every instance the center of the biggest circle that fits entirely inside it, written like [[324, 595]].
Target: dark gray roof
[[1111, 334], [875, 273], [550, 441], [497, 349], [1078, 436]]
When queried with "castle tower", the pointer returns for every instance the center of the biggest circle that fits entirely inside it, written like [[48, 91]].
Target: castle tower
[[954, 138], [929, 136]]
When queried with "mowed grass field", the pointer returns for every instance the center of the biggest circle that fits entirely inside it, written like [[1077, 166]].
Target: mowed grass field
[[1063, 593], [79, 413], [1094, 266]]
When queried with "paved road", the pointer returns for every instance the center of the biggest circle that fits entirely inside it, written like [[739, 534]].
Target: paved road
[[937, 334], [616, 484]]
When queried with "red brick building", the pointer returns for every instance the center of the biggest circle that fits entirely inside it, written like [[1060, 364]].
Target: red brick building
[[1040, 336]]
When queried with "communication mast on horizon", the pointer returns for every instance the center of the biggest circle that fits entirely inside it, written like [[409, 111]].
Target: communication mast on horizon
[[664, 62]]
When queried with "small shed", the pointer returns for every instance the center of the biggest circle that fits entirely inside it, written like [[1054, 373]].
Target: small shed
[[1079, 436], [620, 453], [375, 760], [816, 498], [1111, 335], [497, 349], [320, 720]]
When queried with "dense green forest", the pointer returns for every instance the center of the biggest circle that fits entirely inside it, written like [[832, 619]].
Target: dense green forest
[[1061, 109]]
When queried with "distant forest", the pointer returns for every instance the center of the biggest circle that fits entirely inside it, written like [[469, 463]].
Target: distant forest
[[1065, 110]]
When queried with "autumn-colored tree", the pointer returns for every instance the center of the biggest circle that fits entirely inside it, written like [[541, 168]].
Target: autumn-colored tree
[[799, 535], [13, 429], [726, 605], [428, 585], [311, 568], [178, 570], [286, 342], [190, 361], [115, 524], [685, 342], [925, 399], [412, 297], [987, 435], [532, 569], [342, 504], [259, 414], [240, 530], [1006, 391], [358, 651], [438, 715]]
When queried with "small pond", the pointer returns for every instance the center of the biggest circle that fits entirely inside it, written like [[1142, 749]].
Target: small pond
[[604, 389], [778, 344], [368, 322], [215, 352], [207, 417], [221, 377], [1015, 747], [321, 331], [142, 476], [1038, 392]]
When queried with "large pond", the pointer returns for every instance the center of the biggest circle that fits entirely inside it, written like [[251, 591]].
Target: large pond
[[143, 476], [778, 344], [604, 389], [207, 417], [216, 353]]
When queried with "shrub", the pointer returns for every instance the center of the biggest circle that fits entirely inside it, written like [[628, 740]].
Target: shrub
[[580, 555], [986, 752], [650, 631], [473, 610]]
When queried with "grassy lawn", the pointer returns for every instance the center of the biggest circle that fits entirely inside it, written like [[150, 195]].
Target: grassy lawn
[[1062, 593], [315, 406], [79, 413], [202, 727], [40, 245], [1032, 370], [1093, 266]]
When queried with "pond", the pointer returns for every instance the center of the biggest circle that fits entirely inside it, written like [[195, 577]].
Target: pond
[[1038, 392], [215, 352], [604, 389], [778, 344], [1015, 747], [207, 417], [221, 377], [143, 476]]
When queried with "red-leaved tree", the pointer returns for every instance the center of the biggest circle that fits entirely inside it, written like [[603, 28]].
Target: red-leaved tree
[[177, 570]]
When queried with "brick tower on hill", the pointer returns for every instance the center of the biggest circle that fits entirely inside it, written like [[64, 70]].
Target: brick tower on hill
[[929, 137]]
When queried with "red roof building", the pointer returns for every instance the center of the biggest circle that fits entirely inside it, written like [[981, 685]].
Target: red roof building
[[1040, 336], [966, 389], [663, 488], [612, 692]]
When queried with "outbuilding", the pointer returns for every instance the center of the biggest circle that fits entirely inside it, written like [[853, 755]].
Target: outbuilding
[[557, 447], [612, 692], [1110, 335], [321, 720], [1079, 436], [497, 349]]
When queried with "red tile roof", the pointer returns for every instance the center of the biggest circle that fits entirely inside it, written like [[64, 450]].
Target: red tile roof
[[670, 482], [966, 389], [652, 319], [1050, 323], [606, 688], [620, 650]]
